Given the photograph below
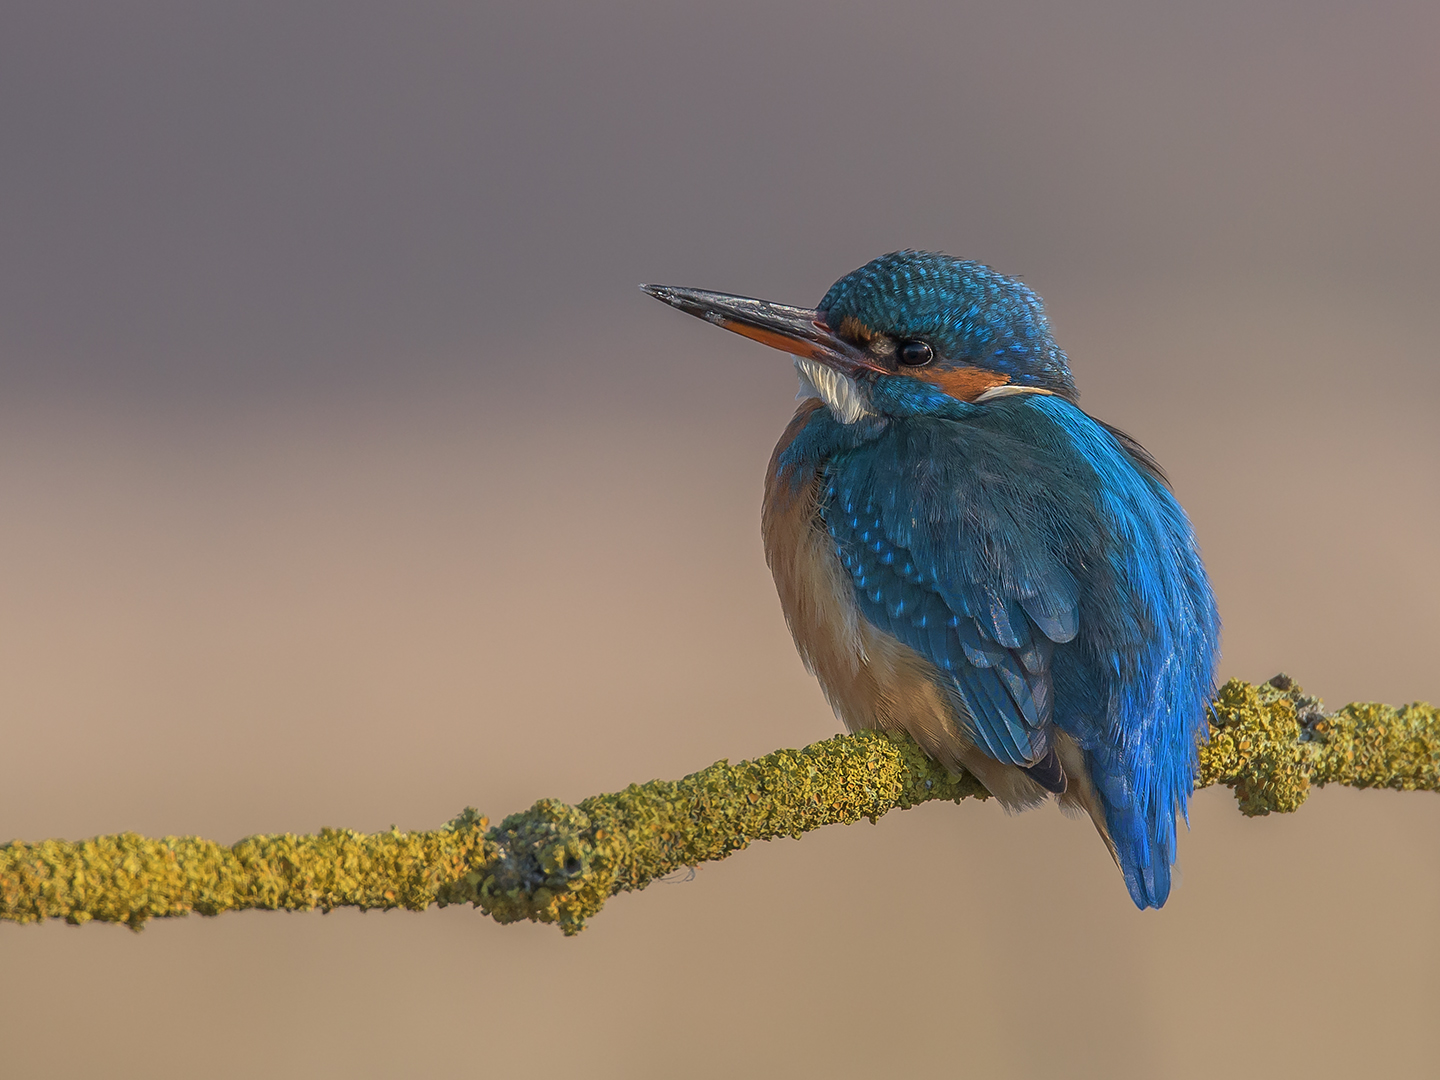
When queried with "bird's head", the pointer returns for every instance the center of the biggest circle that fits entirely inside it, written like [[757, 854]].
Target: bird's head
[[903, 334]]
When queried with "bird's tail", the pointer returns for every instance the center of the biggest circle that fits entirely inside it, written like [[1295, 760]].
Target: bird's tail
[[1139, 831], [1145, 850]]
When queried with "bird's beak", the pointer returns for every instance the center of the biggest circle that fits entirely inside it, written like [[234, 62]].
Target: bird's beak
[[798, 331]]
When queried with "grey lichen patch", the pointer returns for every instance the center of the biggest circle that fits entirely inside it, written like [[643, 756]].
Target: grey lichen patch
[[542, 864], [557, 863]]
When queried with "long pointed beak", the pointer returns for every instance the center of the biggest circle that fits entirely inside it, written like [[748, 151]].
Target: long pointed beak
[[798, 331]]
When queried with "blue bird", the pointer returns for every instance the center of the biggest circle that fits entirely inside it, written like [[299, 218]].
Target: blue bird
[[963, 554]]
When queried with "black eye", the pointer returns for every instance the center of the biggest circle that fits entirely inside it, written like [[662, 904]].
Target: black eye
[[916, 354]]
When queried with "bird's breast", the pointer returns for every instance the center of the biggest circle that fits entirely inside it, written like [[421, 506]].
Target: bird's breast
[[815, 592], [871, 679]]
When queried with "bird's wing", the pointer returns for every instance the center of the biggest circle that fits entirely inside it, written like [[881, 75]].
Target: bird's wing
[[955, 541]]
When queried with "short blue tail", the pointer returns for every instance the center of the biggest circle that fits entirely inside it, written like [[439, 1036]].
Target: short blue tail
[[1141, 819], [1145, 846]]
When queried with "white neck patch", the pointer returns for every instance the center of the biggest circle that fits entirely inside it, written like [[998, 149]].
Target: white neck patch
[[839, 392]]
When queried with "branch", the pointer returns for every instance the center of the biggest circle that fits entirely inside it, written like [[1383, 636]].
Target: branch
[[557, 863]]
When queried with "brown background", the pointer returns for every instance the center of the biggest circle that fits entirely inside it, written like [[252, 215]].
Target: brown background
[[347, 479]]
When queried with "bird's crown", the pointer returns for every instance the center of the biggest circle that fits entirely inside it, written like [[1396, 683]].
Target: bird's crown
[[967, 313]]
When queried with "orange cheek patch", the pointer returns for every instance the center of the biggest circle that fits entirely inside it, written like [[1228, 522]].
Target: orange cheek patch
[[963, 384]]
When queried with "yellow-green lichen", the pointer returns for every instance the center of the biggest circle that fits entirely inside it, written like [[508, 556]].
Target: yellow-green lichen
[[129, 878], [558, 863], [1370, 746], [1255, 748], [1271, 742]]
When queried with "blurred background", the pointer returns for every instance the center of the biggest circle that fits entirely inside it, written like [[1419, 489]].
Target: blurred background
[[347, 479]]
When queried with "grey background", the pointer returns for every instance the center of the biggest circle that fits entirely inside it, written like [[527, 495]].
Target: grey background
[[347, 479]]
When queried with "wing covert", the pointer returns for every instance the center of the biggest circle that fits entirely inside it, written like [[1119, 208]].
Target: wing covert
[[955, 574]]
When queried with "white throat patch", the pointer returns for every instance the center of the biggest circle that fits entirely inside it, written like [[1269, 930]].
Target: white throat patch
[[839, 392]]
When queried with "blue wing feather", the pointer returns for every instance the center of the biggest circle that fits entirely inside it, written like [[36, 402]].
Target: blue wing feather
[[991, 679], [981, 538]]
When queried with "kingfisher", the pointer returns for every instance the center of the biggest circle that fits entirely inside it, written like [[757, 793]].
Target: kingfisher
[[964, 554]]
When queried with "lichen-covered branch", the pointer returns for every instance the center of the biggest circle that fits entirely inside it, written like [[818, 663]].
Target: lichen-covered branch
[[1270, 743], [559, 863]]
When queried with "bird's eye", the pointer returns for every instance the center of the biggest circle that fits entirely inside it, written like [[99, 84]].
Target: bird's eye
[[916, 354]]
